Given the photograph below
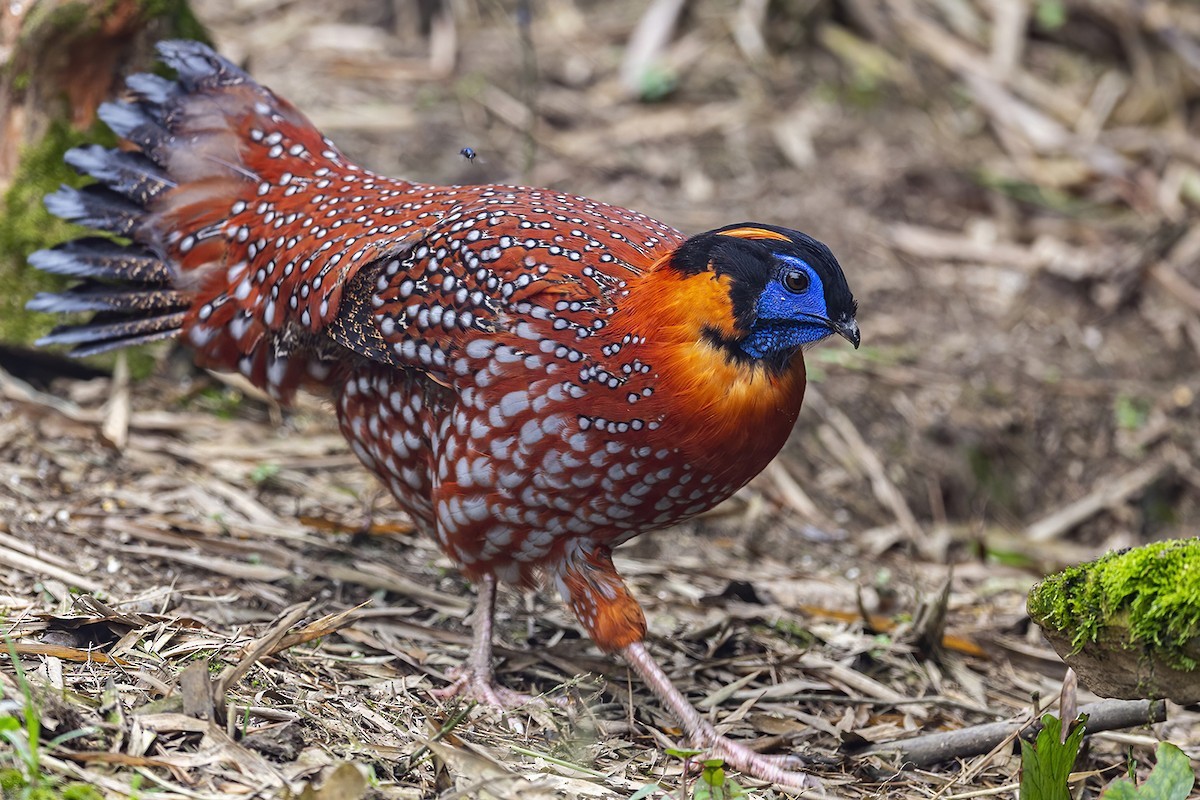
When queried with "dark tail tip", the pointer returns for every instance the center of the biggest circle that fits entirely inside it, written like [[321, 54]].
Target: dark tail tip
[[95, 207], [198, 66]]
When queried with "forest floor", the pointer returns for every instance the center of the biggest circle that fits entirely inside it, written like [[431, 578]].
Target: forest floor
[[1013, 199]]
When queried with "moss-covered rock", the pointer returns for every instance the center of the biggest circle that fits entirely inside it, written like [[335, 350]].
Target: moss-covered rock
[[1129, 622]]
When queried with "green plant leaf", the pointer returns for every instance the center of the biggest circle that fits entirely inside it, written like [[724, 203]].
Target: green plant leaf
[[20, 744], [1171, 779], [645, 791], [62, 739], [1050, 15], [682, 752], [1047, 762], [264, 472], [715, 783]]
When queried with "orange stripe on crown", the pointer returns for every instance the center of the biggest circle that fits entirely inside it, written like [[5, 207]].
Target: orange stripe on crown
[[755, 233]]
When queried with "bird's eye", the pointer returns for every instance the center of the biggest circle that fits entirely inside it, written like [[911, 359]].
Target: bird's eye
[[795, 280]]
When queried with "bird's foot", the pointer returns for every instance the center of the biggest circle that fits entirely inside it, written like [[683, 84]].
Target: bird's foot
[[782, 770], [480, 685]]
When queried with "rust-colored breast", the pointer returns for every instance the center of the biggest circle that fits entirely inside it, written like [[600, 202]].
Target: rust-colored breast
[[517, 365], [582, 406]]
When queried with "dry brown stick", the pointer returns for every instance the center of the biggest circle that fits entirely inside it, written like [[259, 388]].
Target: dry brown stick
[[259, 648], [40, 568], [18, 391], [918, 31], [886, 492], [792, 492], [1176, 284], [119, 408], [317, 628], [935, 748], [1106, 494]]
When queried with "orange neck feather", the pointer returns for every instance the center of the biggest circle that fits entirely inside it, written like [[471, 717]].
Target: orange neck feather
[[732, 413]]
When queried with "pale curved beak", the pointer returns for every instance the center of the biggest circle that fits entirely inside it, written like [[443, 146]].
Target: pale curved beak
[[849, 329]]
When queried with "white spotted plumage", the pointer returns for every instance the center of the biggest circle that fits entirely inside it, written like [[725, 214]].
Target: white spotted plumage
[[535, 376]]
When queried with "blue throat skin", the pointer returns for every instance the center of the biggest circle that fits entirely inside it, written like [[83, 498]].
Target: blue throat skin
[[787, 320]]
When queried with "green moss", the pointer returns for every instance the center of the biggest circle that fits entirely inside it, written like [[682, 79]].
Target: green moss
[[26, 225], [81, 791], [10, 781], [51, 22], [222, 402], [181, 23], [48, 20], [1131, 413], [1152, 591], [14, 785], [1050, 15], [794, 631]]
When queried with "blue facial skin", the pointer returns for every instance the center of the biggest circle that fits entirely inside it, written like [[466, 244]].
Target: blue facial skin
[[786, 319]]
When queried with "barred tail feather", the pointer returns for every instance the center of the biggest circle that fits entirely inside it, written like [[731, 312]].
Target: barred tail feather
[[182, 202], [102, 297], [128, 286], [103, 259], [132, 175], [102, 335], [95, 207]]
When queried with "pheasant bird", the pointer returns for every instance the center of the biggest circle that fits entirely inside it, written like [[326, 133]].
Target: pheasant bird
[[537, 377]]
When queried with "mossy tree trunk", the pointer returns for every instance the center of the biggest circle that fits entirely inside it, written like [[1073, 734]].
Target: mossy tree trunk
[[59, 59]]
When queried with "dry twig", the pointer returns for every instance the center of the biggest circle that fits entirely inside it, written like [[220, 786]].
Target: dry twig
[[926, 751]]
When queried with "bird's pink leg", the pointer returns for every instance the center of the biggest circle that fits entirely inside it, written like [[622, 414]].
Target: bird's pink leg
[[780, 770], [474, 680], [602, 603]]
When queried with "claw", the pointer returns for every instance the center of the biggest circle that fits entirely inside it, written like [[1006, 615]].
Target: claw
[[475, 680], [782, 770], [471, 683]]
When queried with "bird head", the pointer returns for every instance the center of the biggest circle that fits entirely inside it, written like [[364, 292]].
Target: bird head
[[785, 291]]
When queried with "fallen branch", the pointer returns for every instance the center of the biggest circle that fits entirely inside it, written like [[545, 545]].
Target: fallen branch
[[935, 748], [1107, 494], [40, 568], [258, 649]]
